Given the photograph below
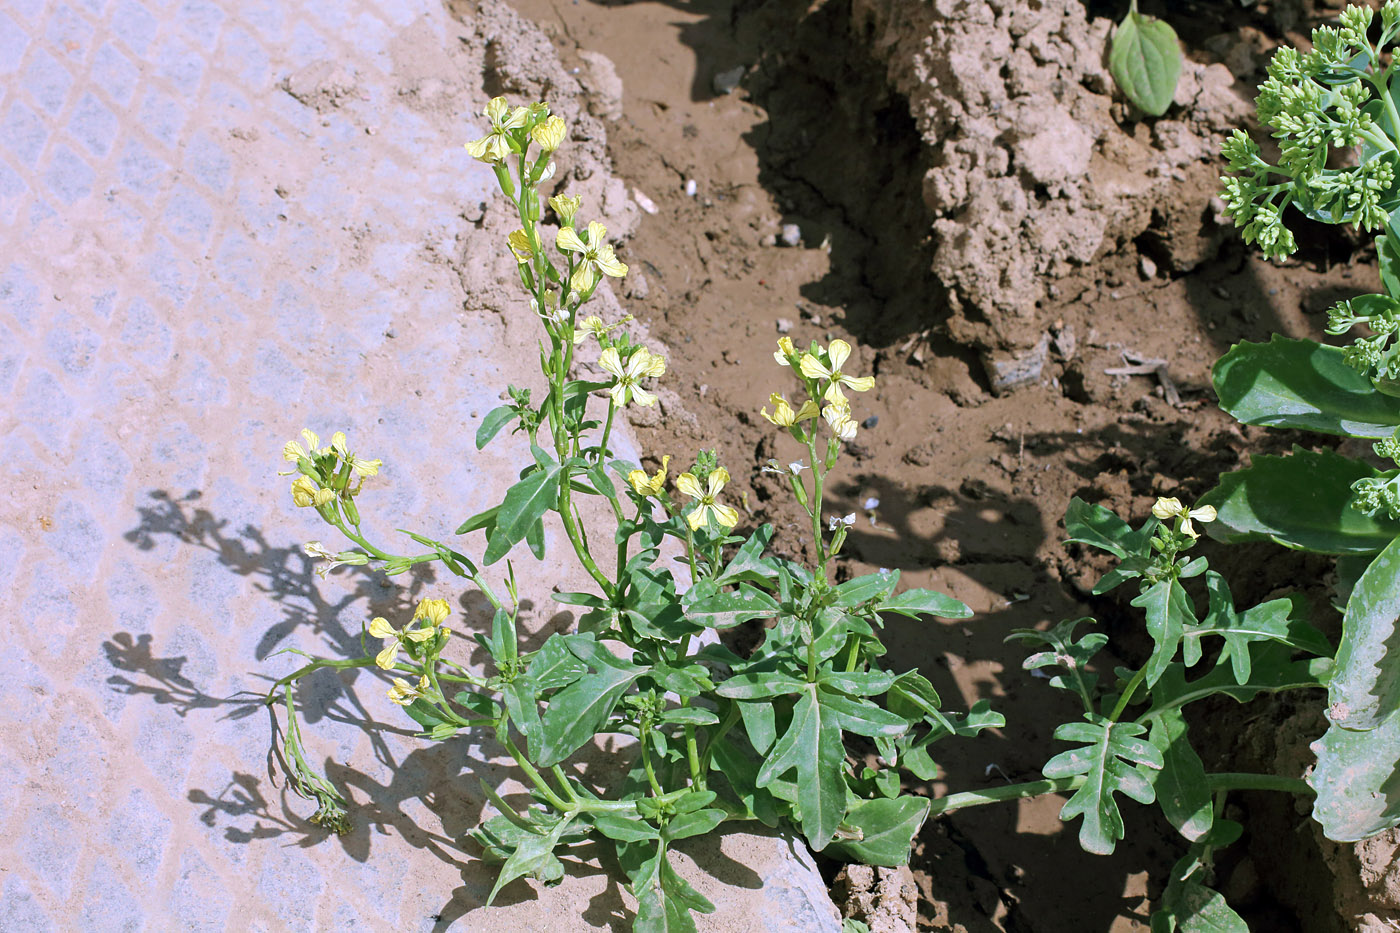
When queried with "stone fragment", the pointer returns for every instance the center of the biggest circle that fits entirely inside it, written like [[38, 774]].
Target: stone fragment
[[1007, 374]]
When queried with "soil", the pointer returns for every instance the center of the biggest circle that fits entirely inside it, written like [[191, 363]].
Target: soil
[[955, 188]]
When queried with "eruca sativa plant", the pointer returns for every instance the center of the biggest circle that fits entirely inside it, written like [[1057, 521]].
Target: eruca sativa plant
[[718, 737]]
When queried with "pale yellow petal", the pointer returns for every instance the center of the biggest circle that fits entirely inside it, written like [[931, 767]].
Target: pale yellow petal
[[858, 383], [1205, 513], [338, 444], [611, 363], [642, 397], [379, 627], [807, 412], [312, 441], [656, 365], [596, 232], [478, 148], [303, 491], [726, 515], [608, 263], [435, 611], [812, 367], [838, 353], [367, 467], [419, 635], [717, 480], [689, 485], [696, 519], [292, 451], [385, 658], [583, 278], [517, 118], [322, 496], [496, 109], [1165, 508], [567, 240]]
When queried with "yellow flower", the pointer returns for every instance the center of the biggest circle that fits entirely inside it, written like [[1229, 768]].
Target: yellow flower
[[640, 365], [838, 418], [519, 243], [495, 145], [379, 627], [366, 467], [435, 611], [404, 695], [1168, 508], [596, 256], [387, 654], [305, 492], [338, 445], [650, 486], [837, 353], [591, 326], [785, 352], [784, 416], [549, 134], [726, 516], [566, 207]]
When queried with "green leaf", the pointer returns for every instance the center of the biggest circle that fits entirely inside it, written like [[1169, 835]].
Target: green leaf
[[858, 683], [1113, 762], [812, 746], [1356, 780], [495, 419], [726, 610], [665, 899], [1098, 527], [916, 603], [690, 716], [554, 666], [1302, 384], [581, 709], [887, 829], [425, 714], [1301, 501], [623, 828], [1181, 787], [1388, 258], [748, 563], [696, 823], [1272, 621], [863, 589], [1191, 907], [534, 537], [1145, 60], [1168, 611], [752, 685], [486, 520], [912, 696], [534, 856], [760, 723], [1365, 686], [860, 716], [742, 774], [1271, 669], [523, 706], [525, 504]]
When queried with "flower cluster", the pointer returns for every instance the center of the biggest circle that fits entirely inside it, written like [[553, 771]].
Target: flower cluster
[[325, 473], [423, 640], [824, 379], [1166, 509], [702, 484]]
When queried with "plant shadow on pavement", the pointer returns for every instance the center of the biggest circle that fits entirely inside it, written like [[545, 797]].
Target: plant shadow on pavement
[[443, 777]]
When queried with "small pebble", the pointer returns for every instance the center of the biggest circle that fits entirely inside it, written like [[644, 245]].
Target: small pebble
[[644, 202], [784, 325], [791, 235], [726, 81], [690, 187], [1147, 267], [869, 423]]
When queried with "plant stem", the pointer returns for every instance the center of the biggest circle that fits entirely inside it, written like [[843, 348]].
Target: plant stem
[[535, 777], [1225, 781], [1128, 694]]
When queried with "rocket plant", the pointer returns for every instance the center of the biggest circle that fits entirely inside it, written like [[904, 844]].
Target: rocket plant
[[767, 735]]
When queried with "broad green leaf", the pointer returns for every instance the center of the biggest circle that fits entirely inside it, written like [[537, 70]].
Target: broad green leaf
[[554, 666], [726, 610], [425, 714], [812, 746], [1168, 611], [863, 589], [664, 899], [1356, 780], [912, 696], [533, 856], [486, 520], [1301, 501], [916, 603], [1182, 791], [858, 683], [1191, 907], [1365, 686], [1098, 527], [1145, 60], [887, 829], [581, 709], [695, 823], [495, 419], [1113, 761], [748, 563], [525, 504], [624, 828], [520, 699], [860, 716], [1388, 257], [742, 774], [760, 723], [1302, 384], [690, 716], [1275, 620], [751, 685], [534, 537]]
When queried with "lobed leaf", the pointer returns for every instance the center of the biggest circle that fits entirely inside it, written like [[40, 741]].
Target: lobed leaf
[[887, 829], [524, 505], [1112, 762], [1357, 781]]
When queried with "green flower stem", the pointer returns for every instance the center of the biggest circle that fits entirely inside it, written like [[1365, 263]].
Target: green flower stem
[[816, 498], [1225, 781], [535, 777], [646, 762], [1128, 694], [563, 780], [692, 753], [315, 665], [607, 430]]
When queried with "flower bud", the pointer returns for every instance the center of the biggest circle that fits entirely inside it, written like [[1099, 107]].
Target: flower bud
[[566, 207]]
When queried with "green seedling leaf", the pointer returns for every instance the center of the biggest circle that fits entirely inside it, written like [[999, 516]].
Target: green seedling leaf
[[1365, 687], [624, 829], [1191, 907], [861, 590], [1098, 527], [748, 565], [525, 504], [1181, 787], [1113, 760], [1145, 60], [812, 746], [495, 419], [1168, 611], [1065, 653], [664, 899], [726, 610], [1301, 501], [916, 603], [1302, 384], [887, 829], [1356, 780]]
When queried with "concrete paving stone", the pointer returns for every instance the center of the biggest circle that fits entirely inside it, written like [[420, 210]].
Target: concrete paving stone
[[46, 80], [48, 850], [134, 25], [23, 133], [68, 176], [139, 831], [199, 898], [93, 124], [202, 20], [13, 42], [207, 161], [113, 74], [68, 32], [45, 408], [19, 910], [29, 9], [188, 215], [108, 904], [179, 63], [77, 538], [141, 170], [72, 344]]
